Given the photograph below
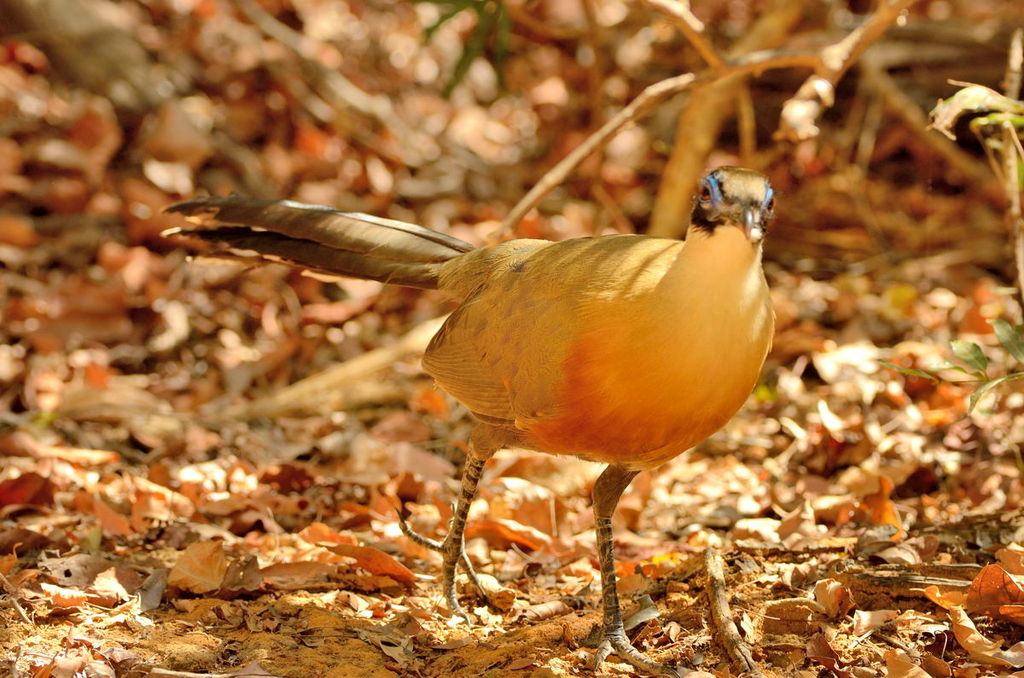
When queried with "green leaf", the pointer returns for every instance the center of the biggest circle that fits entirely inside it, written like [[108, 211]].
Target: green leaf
[[445, 17], [909, 370], [502, 34], [988, 386], [1009, 337], [970, 353], [764, 393], [980, 376]]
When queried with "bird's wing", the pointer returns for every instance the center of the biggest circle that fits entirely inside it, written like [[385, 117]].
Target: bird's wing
[[502, 352]]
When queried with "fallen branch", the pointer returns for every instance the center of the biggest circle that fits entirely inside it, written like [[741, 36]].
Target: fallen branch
[[737, 648], [12, 594], [329, 390]]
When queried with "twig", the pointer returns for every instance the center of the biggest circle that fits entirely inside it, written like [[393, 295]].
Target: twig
[[12, 594], [916, 121], [1013, 155], [640, 106], [538, 27], [866, 141], [690, 26], [1014, 64], [737, 648], [800, 112], [746, 123], [596, 73], [324, 390]]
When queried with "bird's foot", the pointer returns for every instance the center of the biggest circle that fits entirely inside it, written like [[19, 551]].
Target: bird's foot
[[451, 597], [615, 641], [445, 548]]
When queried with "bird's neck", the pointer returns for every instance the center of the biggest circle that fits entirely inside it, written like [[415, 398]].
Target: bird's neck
[[720, 263]]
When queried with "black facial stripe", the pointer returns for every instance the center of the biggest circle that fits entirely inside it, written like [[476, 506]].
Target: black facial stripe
[[705, 219]]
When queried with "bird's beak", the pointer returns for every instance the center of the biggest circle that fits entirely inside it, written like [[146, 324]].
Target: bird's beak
[[752, 224]]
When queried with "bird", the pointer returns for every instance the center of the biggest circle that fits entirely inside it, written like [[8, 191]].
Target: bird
[[622, 349]]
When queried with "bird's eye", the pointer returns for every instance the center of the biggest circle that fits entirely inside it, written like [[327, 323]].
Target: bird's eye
[[705, 193], [770, 205]]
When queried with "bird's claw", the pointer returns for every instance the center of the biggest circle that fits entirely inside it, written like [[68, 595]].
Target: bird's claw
[[615, 641], [443, 547]]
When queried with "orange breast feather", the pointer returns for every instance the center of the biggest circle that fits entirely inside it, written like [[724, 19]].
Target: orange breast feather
[[639, 405]]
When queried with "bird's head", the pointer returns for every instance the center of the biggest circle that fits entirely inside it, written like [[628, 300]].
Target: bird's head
[[734, 196]]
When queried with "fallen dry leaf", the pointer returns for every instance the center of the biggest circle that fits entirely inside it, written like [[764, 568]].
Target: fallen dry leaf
[[899, 665], [503, 533], [866, 621], [980, 648], [945, 599], [881, 510], [200, 568], [321, 534], [113, 522], [375, 561], [997, 593], [28, 489]]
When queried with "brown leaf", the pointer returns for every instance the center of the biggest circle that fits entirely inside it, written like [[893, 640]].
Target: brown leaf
[[113, 523], [545, 611], [997, 593], [880, 508], [833, 596], [945, 599], [299, 574], [1011, 560], [819, 650], [503, 533], [64, 597], [980, 648], [28, 489], [18, 540], [17, 230], [865, 621], [200, 568], [109, 588], [899, 665], [78, 570], [375, 561], [243, 574], [320, 534]]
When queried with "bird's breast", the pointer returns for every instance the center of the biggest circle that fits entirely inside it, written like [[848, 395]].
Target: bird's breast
[[644, 382]]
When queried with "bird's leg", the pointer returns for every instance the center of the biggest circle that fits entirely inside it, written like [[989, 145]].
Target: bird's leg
[[483, 443], [607, 490], [452, 547]]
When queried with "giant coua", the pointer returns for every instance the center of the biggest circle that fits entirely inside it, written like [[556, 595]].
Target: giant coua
[[625, 349]]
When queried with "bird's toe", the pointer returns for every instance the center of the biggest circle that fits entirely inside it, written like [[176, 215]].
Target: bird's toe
[[615, 642]]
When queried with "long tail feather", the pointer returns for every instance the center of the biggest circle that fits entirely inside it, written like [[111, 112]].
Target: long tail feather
[[321, 239]]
